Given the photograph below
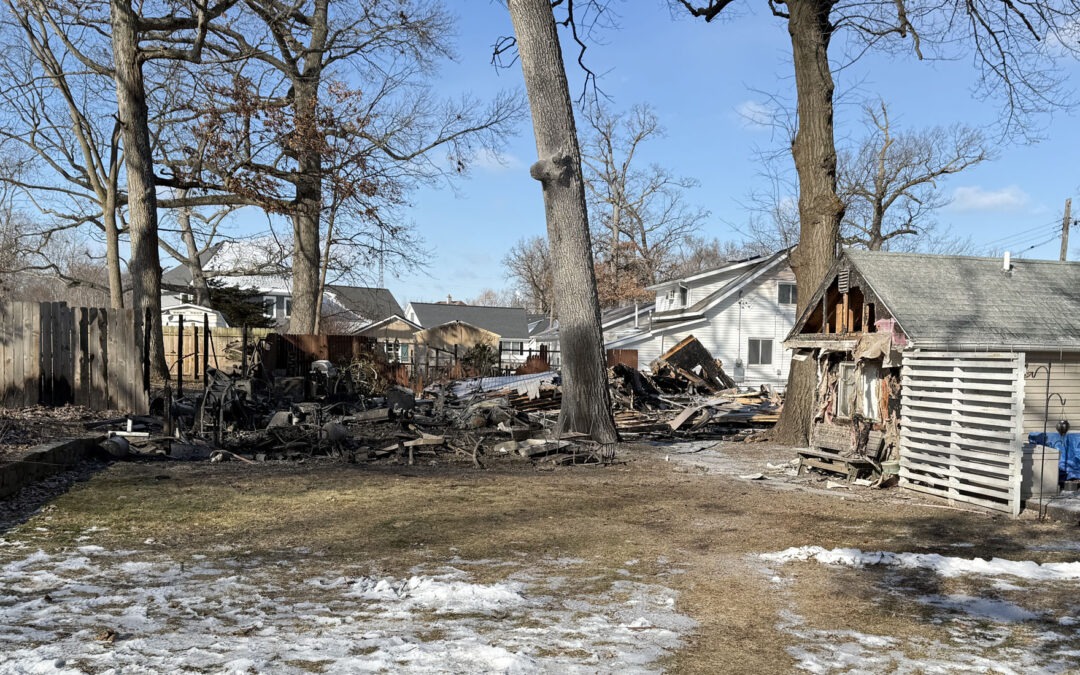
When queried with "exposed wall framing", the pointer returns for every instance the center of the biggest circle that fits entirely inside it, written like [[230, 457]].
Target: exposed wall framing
[[962, 426]]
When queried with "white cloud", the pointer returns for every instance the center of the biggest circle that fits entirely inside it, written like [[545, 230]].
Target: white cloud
[[975, 198], [487, 160], [755, 115], [1063, 41]]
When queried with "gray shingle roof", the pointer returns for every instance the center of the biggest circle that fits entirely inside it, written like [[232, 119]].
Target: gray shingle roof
[[373, 304], [973, 302], [180, 276], [510, 323]]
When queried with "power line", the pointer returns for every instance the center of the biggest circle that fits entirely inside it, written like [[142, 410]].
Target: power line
[[1018, 237]]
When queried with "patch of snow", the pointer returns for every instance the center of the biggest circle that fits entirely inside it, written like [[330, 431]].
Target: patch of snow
[[971, 633], [946, 566], [229, 616]]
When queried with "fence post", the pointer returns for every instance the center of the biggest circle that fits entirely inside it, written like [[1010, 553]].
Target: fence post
[[195, 352], [206, 349], [243, 351], [180, 359]]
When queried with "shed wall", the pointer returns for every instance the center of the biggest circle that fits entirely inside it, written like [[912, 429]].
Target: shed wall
[[1064, 381]]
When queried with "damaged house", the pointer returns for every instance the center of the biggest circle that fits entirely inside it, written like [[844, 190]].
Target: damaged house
[[946, 365], [740, 313]]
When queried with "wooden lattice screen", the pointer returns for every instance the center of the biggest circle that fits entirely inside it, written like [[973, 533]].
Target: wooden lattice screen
[[962, 426]]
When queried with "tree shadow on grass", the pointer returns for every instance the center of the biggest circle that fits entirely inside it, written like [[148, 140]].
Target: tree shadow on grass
[[20, 507]]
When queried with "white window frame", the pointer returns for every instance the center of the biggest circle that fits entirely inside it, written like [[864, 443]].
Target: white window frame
[[794, 290], [750, 357]]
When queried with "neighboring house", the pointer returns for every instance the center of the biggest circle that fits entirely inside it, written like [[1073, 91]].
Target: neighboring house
[[352, 309], [244, 265], [510, 324], [194, 315], [954, 360], [397, 335], [740, 312], [346, 309]]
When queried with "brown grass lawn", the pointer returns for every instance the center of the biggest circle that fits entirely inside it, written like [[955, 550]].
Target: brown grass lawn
[[690, 531]]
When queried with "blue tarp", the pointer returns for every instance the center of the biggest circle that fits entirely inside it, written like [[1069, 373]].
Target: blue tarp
[[1069, 463]]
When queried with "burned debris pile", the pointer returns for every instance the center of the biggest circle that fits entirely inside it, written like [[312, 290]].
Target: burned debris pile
[[357, 411]]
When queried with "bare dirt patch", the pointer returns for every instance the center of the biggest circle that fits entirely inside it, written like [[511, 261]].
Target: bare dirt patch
[[651, 520]]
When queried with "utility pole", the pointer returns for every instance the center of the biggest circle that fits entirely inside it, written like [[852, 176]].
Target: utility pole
[[1065, 223]]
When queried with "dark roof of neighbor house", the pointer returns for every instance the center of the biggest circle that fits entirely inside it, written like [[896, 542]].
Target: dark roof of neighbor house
[[180, 276], [372, 304], [509, 323], [968, 302], [759, 266]]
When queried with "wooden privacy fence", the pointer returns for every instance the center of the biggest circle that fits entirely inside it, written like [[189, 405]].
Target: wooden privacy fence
[[961, 426], [224, 346], [52, 354], [292, 355]]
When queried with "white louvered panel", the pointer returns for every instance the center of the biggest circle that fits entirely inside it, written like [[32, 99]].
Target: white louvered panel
[[961, 432]]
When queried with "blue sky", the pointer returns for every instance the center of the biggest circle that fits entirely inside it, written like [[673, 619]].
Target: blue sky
[[697, 77]]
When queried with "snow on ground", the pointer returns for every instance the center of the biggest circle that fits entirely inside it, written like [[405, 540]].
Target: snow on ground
[[946, 566], [1024, 625], [135, 612]]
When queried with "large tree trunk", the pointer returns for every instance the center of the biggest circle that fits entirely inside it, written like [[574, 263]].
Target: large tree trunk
[[306, 254], [145, 265], [820, 209], [306, 292], [586, 404]]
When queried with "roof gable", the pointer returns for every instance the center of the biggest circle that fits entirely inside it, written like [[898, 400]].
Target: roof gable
[[968, 302], [749, 274], [371, 304]]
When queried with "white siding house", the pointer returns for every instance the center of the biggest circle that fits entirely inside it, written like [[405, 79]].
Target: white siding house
[[740, 312]]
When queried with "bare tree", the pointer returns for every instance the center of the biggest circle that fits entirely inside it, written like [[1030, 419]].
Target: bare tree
[[59, 116], [640, 206], [586, 403], [288, 134], [528, 265], [1005, 38], [890, 181], [701, 255], [177, 32]]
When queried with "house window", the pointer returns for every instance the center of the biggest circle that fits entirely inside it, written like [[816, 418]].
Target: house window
[[514, 347], [759, 352], [787, 293], [269, 303], [858, 390], [288, 306], [677, 297]]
